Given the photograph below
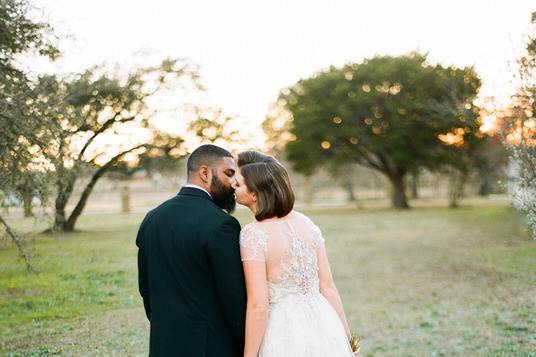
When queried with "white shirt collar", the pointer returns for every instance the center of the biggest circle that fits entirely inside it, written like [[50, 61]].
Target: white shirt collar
[[198, 187]]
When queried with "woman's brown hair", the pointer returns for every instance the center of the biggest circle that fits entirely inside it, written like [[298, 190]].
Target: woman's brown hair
[[252, 156], [269, 180]]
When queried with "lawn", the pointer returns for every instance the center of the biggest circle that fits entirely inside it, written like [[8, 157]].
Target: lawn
[[424, 282]]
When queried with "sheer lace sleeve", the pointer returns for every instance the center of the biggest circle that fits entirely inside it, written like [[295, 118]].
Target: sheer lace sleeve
[[310, 229], [253, 242], [317, 233], [319, 238]]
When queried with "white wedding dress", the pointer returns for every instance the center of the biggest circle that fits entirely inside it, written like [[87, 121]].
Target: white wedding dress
[[301, 322]]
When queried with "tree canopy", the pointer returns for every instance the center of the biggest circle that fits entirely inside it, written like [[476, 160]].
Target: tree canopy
[[97, 121], [391, 114], [21, 131]]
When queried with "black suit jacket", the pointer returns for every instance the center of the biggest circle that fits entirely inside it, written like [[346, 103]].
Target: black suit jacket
[[191, 278]]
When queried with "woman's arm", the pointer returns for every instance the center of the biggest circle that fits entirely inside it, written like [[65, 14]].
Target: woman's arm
[[328, 288], [257, 306]]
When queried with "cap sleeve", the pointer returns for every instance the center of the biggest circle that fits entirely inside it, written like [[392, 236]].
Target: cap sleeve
[[317, 233], [319, 238], [253, 244]]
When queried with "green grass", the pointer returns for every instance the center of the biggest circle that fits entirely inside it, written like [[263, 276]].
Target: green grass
[[423, 282]]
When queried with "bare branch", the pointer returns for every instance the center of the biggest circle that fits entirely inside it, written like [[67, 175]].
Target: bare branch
[[19, 242], [105, 126], [89, 187], [369, 159]]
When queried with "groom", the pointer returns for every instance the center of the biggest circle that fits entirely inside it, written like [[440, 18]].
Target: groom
[[189, 268]]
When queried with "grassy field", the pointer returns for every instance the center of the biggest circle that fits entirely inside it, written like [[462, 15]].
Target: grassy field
[[424, 282]]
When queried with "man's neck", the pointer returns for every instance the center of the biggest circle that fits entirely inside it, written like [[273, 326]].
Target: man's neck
[[193, 185]]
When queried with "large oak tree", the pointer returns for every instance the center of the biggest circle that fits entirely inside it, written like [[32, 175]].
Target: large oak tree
[[391, 114], [98, 120]]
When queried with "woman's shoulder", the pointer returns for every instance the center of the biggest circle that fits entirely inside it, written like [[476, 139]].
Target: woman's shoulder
[[308, 222], [252, 227], [302, 217], [253, 232]]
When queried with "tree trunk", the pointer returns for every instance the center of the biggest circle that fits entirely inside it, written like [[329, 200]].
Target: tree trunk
[[308, 192], [414, 185], [65, 189], [27, 204], [349, 187], [125, 199], [65, 185], [59, 216], [398, 194], [457, 183], [485, 186], [71, 222]]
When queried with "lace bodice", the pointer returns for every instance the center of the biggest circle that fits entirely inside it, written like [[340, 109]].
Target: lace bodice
[[289, 247]]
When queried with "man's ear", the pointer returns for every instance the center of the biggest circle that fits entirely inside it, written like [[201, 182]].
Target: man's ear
[[204, 173]]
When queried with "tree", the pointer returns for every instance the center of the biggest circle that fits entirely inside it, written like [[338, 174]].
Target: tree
[[464, 156], [490, 163], [520, 142], [213, 125], [276, 127], [20, 35], [22, 133], [97, 121], [519, 135], [392, 114]]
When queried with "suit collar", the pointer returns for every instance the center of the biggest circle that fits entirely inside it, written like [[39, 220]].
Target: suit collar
[[199, 187], [196, 192]]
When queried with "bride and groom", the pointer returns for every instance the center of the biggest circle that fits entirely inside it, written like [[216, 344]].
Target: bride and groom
[[210, 288]]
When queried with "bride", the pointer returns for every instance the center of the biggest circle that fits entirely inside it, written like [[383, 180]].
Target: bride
[[293, 307]]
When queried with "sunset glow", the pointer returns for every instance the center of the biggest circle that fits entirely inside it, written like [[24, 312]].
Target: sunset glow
[[246, 58]]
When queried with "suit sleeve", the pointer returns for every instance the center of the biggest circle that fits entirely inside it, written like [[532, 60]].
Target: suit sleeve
[[224, 255], [143, 277]]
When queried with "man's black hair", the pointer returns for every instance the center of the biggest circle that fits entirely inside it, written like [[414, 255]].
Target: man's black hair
[[205, 155]]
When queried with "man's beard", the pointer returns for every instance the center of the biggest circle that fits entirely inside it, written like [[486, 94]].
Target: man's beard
[[222, 196]]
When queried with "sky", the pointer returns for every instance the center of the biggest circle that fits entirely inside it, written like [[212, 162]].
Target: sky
[[249, 50]]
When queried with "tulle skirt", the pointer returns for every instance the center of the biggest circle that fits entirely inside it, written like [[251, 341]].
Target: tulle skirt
[[304, 326]]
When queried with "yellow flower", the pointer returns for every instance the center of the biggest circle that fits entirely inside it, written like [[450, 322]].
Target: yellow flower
[[354, 342]]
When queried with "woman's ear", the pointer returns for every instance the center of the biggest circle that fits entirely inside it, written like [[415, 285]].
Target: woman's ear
[[254, 197]]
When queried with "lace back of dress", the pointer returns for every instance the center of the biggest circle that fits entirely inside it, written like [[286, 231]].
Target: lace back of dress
[[289, 247], [299, 266]]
